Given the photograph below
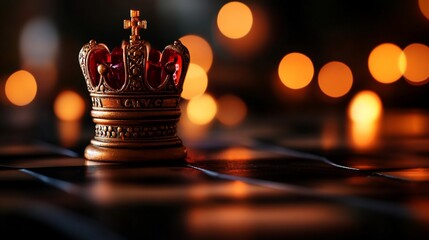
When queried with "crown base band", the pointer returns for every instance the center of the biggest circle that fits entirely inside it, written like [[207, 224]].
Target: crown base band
[[136, 139], [172, 115], [137, 155]]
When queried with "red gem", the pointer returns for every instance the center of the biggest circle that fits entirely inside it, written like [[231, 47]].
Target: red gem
[[153, 69], [98, 55], [160, 66], [115, 76], [157, 71], [170, 56]]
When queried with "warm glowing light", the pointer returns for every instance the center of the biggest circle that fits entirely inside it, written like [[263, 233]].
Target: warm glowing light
[[411, 123], [255, 41], [199, 49], [240, 189], [235, 20], [417, 70], [38, 46], [21, 88], [364, 111], [417, 174], [69, 133], [387, 63], [364, 134], [231, 110], [365, 106], [236, 153], [424, 7], [286, 94], [240, 221], [190, 132], [195, 82], [335, 79], [296, 70], [69, 106], [201, 110], [330, 137]]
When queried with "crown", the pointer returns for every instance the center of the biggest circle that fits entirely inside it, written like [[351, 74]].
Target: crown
[[135, 92]]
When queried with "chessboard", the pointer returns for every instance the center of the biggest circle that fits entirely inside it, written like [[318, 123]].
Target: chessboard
[[270, 179]]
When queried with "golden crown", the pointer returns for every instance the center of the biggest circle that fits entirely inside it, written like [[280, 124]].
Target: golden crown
[[135, 92]]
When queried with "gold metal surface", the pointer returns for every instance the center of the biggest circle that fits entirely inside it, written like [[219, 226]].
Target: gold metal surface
[[135, 24], [135, 122]]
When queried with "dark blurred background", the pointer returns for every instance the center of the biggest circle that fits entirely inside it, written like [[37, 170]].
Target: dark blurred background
[[247, 68]]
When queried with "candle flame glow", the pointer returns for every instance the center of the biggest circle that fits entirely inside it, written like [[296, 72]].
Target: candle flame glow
[[365, 106]]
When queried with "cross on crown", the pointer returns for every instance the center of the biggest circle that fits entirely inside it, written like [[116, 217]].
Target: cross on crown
[[135, 24]]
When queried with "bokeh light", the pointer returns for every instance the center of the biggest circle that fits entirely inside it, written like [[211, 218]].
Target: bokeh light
[[235, 20], [424, 7], [335, 79], [201, 110], [39, 45], [39, 42], [365, 106], [417, 70], [189, 132], [257, 39], [330, 138], [364, 111], [285, 94], [411, 124], [200, 51], [196, 82], [364, 135], [69, 133], [387, 63], [236, 154], [69, 106], [231, 110], [240, 189], [296, 70], [21, 88]]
